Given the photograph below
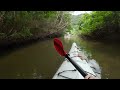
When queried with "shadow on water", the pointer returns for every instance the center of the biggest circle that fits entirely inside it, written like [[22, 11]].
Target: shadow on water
[[40, 60], [6, 50], [37, 60]]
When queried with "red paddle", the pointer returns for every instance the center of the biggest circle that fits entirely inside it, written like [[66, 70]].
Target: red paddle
[[59, 48]]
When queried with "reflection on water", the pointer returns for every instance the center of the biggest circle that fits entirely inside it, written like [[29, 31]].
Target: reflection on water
[[41, 61], [106, 54], [37, 60]]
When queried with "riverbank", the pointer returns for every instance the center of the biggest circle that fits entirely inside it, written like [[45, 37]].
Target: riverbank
[[9, 43], [111, 38], [24, 27]]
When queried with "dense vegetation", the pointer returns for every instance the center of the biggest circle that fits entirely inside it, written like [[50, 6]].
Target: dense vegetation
[[19, 26], [73, 25], [100, 25], [24, 25]]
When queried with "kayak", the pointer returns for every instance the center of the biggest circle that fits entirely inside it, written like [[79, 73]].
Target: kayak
[[68, 71]]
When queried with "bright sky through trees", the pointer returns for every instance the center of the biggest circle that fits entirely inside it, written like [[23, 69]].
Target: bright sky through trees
[[79, 12]]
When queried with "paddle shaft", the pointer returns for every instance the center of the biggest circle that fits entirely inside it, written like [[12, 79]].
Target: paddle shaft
[[76, 66]]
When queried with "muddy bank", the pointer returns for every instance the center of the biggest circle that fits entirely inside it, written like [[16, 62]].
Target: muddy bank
[[114, 37], [11, 43]]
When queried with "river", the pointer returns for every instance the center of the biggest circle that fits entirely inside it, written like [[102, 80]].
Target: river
[[40, 60]]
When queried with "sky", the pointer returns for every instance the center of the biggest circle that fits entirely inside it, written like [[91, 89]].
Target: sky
[[79, 12]]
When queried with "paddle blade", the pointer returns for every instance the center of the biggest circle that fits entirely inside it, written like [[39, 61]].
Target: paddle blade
[[59, 47]]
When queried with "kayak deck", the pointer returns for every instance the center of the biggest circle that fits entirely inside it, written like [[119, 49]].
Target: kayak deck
[[68, 71]]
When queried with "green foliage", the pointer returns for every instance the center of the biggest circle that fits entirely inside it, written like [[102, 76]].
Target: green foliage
[[25, 32], [73, 26], [99, 22], [15, 35], [2, 35], [24, 24]]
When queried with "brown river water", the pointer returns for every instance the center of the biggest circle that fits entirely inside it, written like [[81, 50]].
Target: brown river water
[[41, 61]]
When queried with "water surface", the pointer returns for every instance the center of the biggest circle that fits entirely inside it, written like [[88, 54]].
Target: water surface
[[41, 61]]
